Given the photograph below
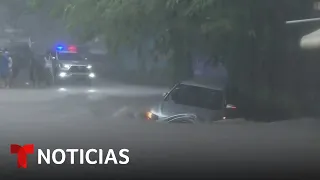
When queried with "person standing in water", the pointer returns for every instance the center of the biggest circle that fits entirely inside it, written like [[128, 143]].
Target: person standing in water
[[5, 67]]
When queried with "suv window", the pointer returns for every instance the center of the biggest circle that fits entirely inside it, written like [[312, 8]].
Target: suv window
[[200, 97]]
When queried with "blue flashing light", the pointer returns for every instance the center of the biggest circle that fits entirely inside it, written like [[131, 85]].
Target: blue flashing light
[[60, 48]]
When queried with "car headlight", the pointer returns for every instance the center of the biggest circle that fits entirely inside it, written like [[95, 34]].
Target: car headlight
[[65, 66], [92, 75], [63, 74], [151, 116], [89, 66]]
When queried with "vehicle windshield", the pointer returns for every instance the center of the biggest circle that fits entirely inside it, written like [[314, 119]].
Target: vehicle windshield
[[70, 56], [200, 97]]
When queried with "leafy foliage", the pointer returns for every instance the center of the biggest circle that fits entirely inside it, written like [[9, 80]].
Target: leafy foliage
[[127, 21]]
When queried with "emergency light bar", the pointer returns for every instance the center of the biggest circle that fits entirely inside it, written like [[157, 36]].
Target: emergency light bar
[[69, 49], [61, 52]]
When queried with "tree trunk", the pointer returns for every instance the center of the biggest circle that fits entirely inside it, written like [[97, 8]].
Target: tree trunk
[[141, 60], [181, 60]]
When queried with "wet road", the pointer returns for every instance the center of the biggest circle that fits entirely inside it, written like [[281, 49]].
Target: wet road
[[103, 117]]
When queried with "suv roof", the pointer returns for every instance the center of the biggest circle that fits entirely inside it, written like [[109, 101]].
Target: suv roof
[[203, 83]]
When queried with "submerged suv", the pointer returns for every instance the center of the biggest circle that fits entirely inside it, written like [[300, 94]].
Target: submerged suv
[[204, 100]]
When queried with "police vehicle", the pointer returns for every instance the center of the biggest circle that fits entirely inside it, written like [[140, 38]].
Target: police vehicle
[[68, 65]]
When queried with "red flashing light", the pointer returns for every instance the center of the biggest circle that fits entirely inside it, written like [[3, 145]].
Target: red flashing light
[[72, 48]]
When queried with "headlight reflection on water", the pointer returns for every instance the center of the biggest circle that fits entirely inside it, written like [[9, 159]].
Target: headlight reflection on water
[[92, 91], [77, 91], [89, 90], [62, 89]]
